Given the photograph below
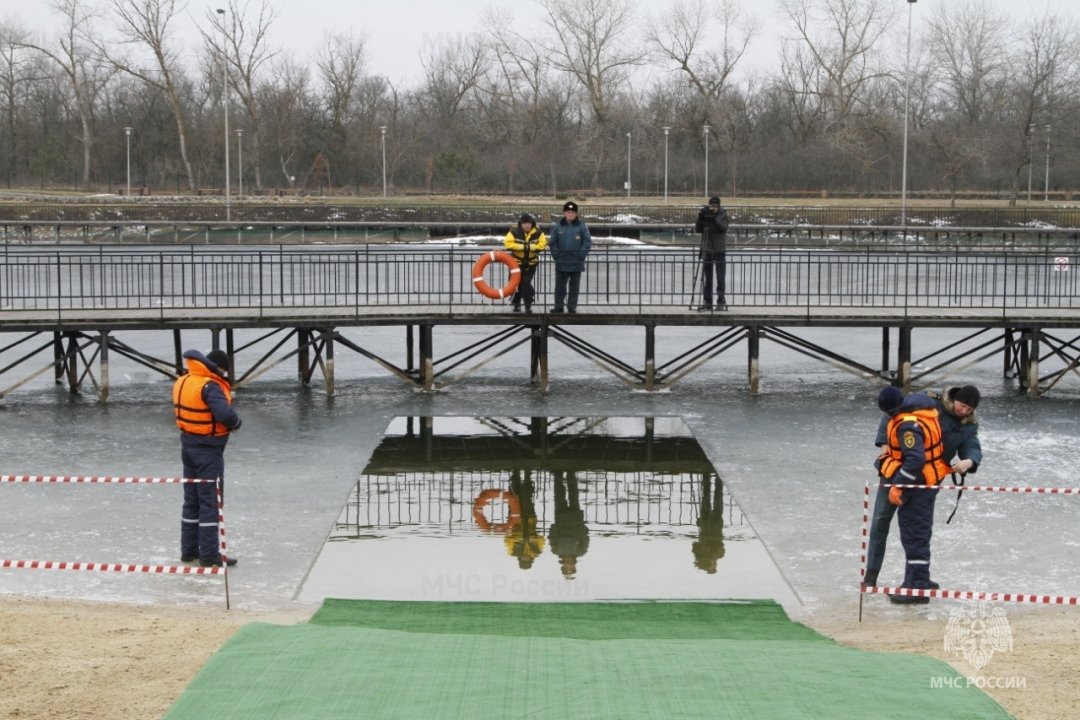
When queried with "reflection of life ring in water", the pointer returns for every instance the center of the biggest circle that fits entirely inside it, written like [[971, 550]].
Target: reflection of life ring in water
[[478, 274], [485, 498]]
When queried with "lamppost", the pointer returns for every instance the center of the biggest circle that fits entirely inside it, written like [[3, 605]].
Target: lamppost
[[240, 160], [225, 105], [1031, 135], [127, 135], [907, 93], [1046, 181], [705, 129], [666, 130], [382, 131], [627, 164]]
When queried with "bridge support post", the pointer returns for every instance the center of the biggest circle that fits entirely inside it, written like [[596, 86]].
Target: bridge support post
[[58, 357], [328, 346], [650, 357], [427, 364], [1031, 368], [178, 352], [103, 386], [230, 346], [410, 341], [303, 357], [903, 359], [753, 358], [71, 363], [884, 349], [543, 356]]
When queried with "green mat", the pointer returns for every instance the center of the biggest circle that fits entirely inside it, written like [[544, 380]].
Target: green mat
[[743, 661]]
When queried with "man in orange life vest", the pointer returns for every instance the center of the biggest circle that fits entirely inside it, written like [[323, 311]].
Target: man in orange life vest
[[202, 401], [914, 455]]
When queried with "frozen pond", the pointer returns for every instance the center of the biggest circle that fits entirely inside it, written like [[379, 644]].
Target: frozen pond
[[794, 459]]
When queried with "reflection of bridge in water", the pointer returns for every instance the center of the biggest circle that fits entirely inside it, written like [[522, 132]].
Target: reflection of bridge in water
[[638, 478]]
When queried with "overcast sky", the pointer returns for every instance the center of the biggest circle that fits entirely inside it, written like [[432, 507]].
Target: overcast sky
[[396, 30]]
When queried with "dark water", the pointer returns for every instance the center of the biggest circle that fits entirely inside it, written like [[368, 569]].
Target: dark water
[[794, 459], [503, 508]]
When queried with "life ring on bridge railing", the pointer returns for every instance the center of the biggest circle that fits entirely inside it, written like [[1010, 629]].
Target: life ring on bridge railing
[[478, 274], [485, 498]]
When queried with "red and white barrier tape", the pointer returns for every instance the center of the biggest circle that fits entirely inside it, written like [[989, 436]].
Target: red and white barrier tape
[[971, 595], [992, 488], [865, 529], [112, 567], [96, 479]]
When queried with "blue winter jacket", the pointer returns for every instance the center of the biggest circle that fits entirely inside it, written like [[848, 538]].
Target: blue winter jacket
[[959, 436], [569, 243]]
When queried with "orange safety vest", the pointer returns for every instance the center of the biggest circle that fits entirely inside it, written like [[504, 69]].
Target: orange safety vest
[[192, 413], [936, 469]]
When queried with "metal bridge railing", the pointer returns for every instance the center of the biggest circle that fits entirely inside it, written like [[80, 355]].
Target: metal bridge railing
[[439, 279]]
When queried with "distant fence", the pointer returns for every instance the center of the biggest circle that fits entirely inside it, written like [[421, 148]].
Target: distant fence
[[439, 278], [678, 213]]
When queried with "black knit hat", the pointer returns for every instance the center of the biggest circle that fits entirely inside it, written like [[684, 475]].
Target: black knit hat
[[219, 358], [569, 205], [714, 200], [968, 394], [889, 399], [526, 218]]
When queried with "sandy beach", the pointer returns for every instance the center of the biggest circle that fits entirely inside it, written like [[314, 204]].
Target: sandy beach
[[64, 660]]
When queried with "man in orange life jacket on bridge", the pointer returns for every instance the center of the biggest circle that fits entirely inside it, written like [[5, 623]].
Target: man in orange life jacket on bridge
[[913, 455], [202, 401]]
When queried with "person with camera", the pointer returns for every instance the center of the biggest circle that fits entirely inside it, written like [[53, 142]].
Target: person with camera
[[712, 223]]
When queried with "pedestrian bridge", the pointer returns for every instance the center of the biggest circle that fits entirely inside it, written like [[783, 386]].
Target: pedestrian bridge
[[71, 302]]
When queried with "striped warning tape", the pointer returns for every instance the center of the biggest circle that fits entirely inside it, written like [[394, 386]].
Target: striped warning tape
[[111, 567], [972, 595], [992, 488], [96, 479]]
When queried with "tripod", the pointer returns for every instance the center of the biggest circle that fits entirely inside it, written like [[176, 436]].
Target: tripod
[[694, 289]]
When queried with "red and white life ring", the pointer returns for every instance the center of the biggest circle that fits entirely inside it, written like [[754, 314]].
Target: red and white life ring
[[485, 498]]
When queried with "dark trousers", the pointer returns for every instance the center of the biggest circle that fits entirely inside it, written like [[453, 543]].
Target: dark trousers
[[567, 281], [882, 520], [916, 520], [525, 290], [199, 516], [710, 265]]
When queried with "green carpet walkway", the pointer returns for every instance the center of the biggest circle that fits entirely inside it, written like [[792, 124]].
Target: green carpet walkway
[[737, 661]]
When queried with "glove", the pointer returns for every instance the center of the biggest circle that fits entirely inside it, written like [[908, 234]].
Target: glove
[[896, 496], [962, 466], [236, 427]]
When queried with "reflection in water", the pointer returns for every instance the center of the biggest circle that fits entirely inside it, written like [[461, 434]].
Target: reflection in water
[[710, 543], [637, 494], [522, 541], [569, 534]]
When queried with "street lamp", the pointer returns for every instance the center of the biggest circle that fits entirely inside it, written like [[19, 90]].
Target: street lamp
[[1031, 137], [382, 131], [705, 129], [127, 134], [907, 93], [240, 160], [666, 129], [627, 164], [1046, 181], [225, 105]]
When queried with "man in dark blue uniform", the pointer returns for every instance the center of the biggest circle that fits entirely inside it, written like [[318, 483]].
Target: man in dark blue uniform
[[202, 402], [960, 436], [912, 456]]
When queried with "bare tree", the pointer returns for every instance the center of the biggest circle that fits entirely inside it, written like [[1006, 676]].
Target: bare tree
[[341, 68], [970, 42], [840, 38], [704, 42], [453, 71], [589, 41], [144, 24], [84, 75], [246, 54], [18, 72]]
